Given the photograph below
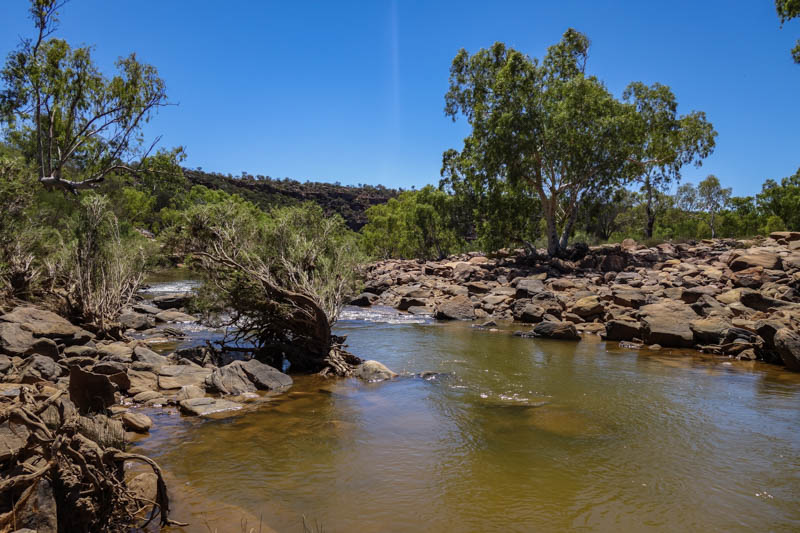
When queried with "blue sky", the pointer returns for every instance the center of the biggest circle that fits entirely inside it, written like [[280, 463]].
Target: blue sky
[[354, 91]]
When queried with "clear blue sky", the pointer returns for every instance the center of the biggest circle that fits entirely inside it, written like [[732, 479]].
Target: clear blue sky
[[354, 91]]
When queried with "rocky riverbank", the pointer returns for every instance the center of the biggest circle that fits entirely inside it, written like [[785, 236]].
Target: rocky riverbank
[[734, 298], [62, 386]]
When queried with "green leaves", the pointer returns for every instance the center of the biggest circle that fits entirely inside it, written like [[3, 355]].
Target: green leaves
[[788, 10]]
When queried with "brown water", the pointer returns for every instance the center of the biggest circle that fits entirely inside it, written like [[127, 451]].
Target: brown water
[[522, 435]]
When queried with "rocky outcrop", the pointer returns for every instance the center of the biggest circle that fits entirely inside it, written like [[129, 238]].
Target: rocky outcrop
[[707, 295]]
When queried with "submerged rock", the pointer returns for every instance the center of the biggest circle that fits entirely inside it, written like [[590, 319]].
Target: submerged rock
[[206, 406], [374, 371]]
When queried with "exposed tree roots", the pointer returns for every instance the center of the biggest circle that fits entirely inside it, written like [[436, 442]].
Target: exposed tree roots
[[82, 480]]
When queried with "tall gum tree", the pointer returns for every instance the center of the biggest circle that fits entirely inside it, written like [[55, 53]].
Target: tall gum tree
[[667, 142], [547, 128], [75, 123]]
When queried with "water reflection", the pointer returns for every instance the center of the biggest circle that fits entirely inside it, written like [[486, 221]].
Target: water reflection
[[513, 435]]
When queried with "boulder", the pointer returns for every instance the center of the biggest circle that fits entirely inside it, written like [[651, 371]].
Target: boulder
[[527, 312], [374, 371], [691, 295], [528, 287], [457, 308], [787, 344], [146, 355], [181, 375], [172, 300], [709, 330], [175, 316], [115, 351], [206, 406], [15, 340], [751, 278], [556, 330], [667, 323], [46, 347], [764, 259], [41, 323], [628, 298], [38, 368], [89, 391], [136, 422], [588, 306], [86, 350], [137, 321], [365, 299], [240, 377], [622, 330], [756, 300], [188, 392], [407, 303]]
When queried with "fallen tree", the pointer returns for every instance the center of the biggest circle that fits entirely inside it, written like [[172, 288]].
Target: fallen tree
[[281, 280]]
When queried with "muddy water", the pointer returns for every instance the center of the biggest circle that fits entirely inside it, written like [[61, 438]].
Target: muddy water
[[513, 435]]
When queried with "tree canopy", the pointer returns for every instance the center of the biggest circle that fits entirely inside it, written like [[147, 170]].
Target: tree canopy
[[788, 10], [77, 124], [544, 129]]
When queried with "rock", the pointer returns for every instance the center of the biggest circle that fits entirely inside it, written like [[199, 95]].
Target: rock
[[613, 263], [478, 287], [240, 377], [764, 259], [416, 310], [146, 355], [588, 306], [709, 330], [175, 316], [528, 287], [528, 313], [206, 406], [146, 309], [562, 284], [407, 303], [761, 302], [13, 437], [365, 299], [137, 321], [622, 330], [145, 487], [5, 364], [136, 422], [39, 513], [693, 294], [90, 392], [785, 236], [80, 351], [41, 323], [172, 300], [39, 368], [628, 245], [105, 431], [265, 377], [188, 392], [787, 344], [146, 396], [628, 298], [667, 324], [115, 351], [184, 375], [751, 278], [374, 371], [457, 308], [15, 340], [556, 330]]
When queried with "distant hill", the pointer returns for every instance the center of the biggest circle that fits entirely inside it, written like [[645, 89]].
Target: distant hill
[[350, 202]]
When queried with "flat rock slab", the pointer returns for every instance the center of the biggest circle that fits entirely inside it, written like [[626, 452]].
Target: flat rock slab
[[42, 323], [207, 406], [181, 375], [136, 422], [175, 316]]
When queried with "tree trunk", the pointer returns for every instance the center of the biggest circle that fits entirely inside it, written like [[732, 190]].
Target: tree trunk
[[651, 215]]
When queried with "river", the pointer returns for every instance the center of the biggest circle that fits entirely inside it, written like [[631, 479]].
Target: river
[[511, 434]]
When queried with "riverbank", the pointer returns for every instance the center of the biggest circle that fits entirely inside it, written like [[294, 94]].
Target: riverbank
[[735, 298]]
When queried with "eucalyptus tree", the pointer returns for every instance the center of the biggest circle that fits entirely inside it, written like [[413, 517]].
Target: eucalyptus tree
[[545, 129], [75, 123], [667, 142], [713, 198], [788, 10]]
